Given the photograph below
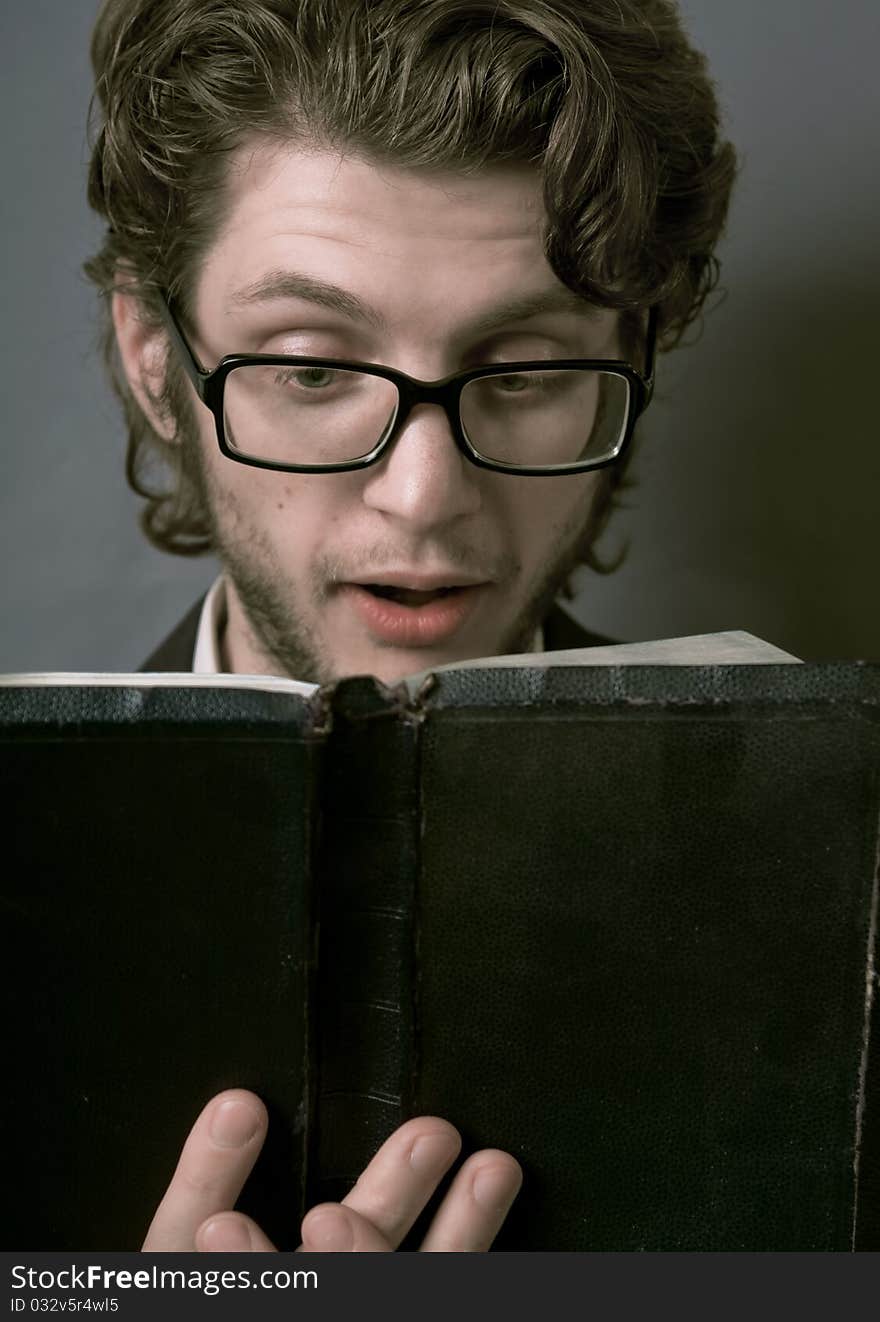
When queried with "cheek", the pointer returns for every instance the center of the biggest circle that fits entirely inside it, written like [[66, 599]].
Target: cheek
[[549, 511], [286, 518]]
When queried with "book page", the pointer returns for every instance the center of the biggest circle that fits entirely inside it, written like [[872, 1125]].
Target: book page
[[732, 648], [169, 679], [710, 649]]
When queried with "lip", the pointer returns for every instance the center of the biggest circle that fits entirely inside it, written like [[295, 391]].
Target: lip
[[391, 623], [404, 578]]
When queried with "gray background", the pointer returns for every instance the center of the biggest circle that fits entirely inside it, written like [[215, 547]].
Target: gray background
[[759, 472]]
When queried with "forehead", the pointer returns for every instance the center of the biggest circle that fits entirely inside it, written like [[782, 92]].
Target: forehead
[[273, 185], [417, 245]]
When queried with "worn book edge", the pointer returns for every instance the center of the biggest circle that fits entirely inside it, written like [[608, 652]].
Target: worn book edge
[[734, 647]]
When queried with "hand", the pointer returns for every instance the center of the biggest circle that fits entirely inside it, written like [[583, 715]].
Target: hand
[[374, 1217]]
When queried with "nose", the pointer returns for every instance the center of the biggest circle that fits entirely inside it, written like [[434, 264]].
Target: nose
[[425, 481]]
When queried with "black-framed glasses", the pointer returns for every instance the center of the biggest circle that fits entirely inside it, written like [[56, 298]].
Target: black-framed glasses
[[537, 418]]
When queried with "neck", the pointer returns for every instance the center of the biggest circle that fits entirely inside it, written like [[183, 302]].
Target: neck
[[238, 645]]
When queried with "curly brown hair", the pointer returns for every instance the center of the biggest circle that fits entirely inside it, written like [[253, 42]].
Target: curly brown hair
[[607, 98]]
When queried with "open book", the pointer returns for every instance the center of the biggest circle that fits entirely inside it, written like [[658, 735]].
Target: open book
[[734, 647], [613, 912]]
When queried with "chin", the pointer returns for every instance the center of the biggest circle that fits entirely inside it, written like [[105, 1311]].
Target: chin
[[391, 665], [391, 670]]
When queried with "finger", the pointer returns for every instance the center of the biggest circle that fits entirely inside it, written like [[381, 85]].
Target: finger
[[335, 1228], [215, 1162], [404, 1173], [476, 1204], [232, 1232]]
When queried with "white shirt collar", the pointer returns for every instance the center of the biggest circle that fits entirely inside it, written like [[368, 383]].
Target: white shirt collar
[[212, 621], [206, 658]]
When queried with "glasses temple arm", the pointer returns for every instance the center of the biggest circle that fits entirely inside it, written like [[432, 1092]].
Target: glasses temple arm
[[650, 354], [194, 370]]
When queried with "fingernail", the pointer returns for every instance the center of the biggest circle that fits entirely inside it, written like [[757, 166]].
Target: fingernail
[[493, 1186], [225, 1235], [329, 1232], [432, 1152], [233, 1124]]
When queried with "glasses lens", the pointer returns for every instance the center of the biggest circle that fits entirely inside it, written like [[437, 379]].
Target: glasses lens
[[306, 414], [539, 419]]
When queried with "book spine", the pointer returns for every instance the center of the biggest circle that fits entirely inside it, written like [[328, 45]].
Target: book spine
[[866, 1227], [368, 856]]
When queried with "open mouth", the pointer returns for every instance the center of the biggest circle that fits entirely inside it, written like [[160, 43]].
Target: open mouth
[[406, 596], [412, 617]]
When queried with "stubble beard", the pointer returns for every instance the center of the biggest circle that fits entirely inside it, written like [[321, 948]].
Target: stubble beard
[[278, 629]]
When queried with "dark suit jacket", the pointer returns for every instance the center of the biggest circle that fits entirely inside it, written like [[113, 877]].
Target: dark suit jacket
[[176, 652]]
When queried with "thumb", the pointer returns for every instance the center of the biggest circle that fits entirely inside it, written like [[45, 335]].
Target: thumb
[[232, 1232], [333, 1228]]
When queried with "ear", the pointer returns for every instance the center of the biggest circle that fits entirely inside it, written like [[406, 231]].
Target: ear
[[143, 348]]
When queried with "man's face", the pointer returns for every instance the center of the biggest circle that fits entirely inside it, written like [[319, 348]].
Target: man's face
[[436, 274]]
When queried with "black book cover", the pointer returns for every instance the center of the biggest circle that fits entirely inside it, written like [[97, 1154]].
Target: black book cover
[[616, 920]]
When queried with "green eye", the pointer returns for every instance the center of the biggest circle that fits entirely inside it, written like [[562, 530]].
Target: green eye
[[513, 384], [316, 376], [310, 378]]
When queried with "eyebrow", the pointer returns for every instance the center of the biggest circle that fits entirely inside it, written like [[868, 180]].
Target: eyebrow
[[280, 286], [283, 285], [542, 303]]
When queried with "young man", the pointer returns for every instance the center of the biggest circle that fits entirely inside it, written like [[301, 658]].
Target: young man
[[386, 282]]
